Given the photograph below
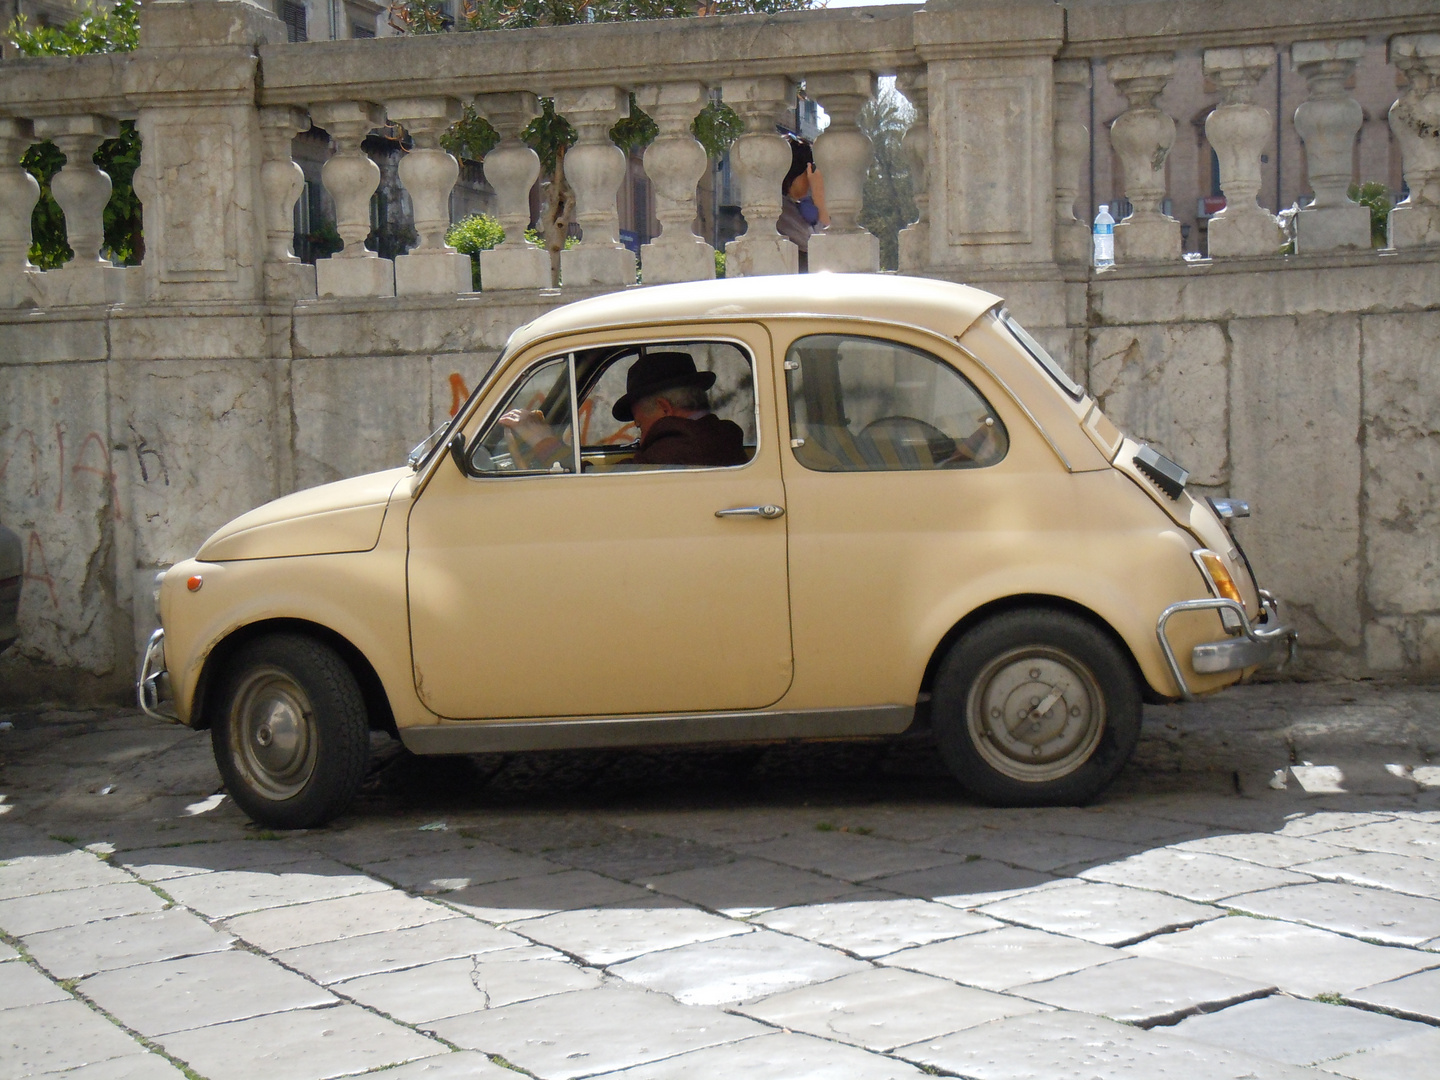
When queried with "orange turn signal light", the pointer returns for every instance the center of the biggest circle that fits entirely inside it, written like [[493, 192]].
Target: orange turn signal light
[[194, 583], [1215, 568]]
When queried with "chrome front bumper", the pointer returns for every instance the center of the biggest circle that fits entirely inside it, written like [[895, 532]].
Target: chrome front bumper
[[1269, 643], [153, 682]]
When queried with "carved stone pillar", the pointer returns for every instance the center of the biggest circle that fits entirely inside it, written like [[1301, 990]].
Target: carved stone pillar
[[915, 237], [1238, 130], [595, 168], [281, 182], [351, 179], [18, 194], [760, 159], [1142, 135], [843, 155], [675, 163], [1328, 122], [82, 189], [1072, 140], [511, 169], [429, 175], [1415, 119]]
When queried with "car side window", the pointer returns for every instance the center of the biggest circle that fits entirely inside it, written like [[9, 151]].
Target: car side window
[[534, 430], [862, 404]]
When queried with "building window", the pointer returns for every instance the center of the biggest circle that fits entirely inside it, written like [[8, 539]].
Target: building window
[[293, 16], [358, 31]]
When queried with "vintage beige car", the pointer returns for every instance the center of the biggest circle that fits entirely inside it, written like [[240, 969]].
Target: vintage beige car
[[928, 525]]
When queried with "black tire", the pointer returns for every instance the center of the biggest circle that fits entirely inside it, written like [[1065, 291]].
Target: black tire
[[291, 734], [988, 690]]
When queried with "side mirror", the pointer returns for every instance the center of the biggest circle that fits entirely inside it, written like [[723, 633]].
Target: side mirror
[[457, 452]]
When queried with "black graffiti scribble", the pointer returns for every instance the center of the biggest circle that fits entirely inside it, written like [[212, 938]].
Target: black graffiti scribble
[[141, 449]]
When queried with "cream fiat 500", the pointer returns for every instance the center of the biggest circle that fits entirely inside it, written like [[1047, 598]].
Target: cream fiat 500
[[917, 520]]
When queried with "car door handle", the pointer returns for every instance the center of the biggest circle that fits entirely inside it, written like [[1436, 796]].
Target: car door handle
[[769, 510]]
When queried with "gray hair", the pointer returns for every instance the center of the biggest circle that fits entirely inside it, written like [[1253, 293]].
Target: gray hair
[[685, 398]]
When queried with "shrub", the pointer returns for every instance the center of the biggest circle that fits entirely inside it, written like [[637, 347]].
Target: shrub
[[472, 235], [1375, 197]]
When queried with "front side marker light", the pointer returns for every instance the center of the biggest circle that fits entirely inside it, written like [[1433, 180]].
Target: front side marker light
[[194, 582], [1221, 584]]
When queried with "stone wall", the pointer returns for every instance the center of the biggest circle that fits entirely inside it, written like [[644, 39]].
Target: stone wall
[[142, 407]]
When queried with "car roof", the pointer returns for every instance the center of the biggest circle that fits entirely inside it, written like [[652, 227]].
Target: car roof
[[939, 305]]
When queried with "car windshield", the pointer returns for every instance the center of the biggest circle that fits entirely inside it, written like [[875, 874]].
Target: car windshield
[[1039, 355], [425, 449]]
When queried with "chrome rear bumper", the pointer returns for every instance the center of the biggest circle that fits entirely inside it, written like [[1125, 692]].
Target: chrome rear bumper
[[153, 682], [1271, 643]]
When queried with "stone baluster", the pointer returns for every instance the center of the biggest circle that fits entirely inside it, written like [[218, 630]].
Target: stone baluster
[[675, 163], [281, 182], [18, 194], [1415, 119], [432, 267], [1142, 135], [1238, 130], [595, 169], [511, 168], [843, 155], [1072, 140], [351, 179], [82, 189], [915, 237], [760, 159], [1328, 121]]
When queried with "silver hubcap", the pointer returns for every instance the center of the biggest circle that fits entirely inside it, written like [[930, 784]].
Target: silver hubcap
[[272, 733], [1036, 713]]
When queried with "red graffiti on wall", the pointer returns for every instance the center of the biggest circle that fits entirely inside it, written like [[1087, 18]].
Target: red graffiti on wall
[[97, 461], [38, 569], [106, 470], [458, 392]]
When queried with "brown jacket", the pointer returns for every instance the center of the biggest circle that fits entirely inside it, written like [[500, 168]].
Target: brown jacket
[[679, 440]]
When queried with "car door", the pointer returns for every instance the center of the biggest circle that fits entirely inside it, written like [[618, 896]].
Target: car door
[[539, 591]]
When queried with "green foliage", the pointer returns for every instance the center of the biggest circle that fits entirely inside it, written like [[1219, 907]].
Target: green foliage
[[1375, 197], [533, 235], [324, 240], [549, 135], [92, 30], [717, 126], [720, 262], [636, 131], [888, 200], [471, 138], [472, 235]]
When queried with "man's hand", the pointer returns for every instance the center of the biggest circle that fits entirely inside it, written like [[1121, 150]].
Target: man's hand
[[527, 425], [817, 194]]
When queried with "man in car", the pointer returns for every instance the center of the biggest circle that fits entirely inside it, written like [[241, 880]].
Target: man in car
[[668, 399]]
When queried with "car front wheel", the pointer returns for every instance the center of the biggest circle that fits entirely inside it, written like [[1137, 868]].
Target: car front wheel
[[291, 735], [1036, 707]]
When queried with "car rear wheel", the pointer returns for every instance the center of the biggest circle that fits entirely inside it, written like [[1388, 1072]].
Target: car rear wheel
[[291, 735], [1036, 707]]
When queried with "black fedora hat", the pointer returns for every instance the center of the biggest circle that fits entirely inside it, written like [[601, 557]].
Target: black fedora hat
[[656, 371]]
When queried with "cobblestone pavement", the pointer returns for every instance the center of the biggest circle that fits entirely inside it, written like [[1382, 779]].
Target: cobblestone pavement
[[1258, 897]]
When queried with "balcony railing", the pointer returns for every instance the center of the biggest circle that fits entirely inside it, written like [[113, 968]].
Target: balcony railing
[[1002, 146]]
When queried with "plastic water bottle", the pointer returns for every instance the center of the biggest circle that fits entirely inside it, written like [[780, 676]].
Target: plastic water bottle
[[1104, 237]]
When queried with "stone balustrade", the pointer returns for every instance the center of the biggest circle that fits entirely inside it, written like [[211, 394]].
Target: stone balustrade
[[997, 152]]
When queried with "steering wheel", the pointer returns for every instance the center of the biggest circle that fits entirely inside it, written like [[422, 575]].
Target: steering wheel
[[909, 430]]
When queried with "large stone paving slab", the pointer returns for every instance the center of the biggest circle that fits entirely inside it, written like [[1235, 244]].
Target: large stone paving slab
[[225, 893], [175, 995], [1104, 914], [312, 1044], [350, 958], [50, 911], [1073, 1046], [76, 951], [875, 927], [1416, 997], [298, 925], [748, 886], [593, 1031], [544, 894], [847, 856], [1381, 870], [457, 869], [33, 874], [607, 935], [1000, 959], [733, 969], [1266, 849], [881, 1009], [1036, 850], [1397, 836], [182, 860], [1298, 959], [21, 985], [138, 1066], [777, 1056], [1404, 1059], [1349, 909], [1194, 875], [461, 1065], [968, 884], [419, 995], [1142, 991], [56, 1036], [1298, 1032]]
